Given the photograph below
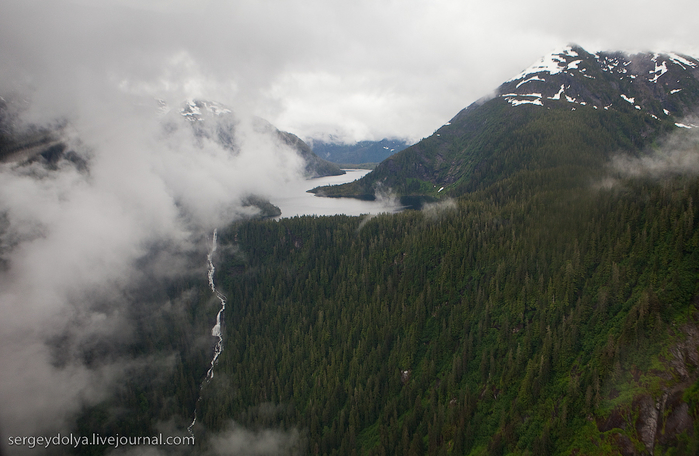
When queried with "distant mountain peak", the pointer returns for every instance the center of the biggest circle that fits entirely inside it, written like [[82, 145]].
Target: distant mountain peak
[[198, 110], [359, 152]]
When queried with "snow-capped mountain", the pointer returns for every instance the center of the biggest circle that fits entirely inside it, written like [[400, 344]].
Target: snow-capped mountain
[[571, 109], [659, 85], [199, 110]]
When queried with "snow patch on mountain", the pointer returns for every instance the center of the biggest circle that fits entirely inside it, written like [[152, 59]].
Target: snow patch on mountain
[[191, 111], [516, 99], [658, 71], [518, 102], [573, 65], [681, 61], [535, 78], [553, 64], [558, 95], [633, 74]]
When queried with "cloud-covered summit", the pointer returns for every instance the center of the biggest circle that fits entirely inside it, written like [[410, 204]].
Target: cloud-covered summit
[[81, 244]]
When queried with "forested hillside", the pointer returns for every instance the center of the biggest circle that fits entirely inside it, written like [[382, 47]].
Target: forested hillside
[[549, 313]]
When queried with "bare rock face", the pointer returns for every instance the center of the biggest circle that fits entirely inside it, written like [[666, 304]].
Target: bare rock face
[[685, 355], [676, 420], [658, 423], [679, 420], [678, 362], [689, 349], [647, 422]]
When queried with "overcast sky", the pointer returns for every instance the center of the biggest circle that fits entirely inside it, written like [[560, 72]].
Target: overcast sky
[[360, 70]]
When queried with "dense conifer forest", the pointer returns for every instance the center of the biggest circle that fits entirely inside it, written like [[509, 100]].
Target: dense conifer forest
[[536, 316]]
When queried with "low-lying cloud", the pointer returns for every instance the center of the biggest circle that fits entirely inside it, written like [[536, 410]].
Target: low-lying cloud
[[436, 210], [244, 442], [678, 154], [79, 243]]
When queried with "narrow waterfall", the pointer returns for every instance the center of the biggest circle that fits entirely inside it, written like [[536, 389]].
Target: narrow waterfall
[[216, 330]]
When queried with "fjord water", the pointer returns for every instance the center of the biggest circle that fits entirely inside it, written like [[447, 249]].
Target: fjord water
[[297, 201]]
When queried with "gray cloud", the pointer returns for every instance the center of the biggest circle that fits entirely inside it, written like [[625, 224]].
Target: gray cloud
[[236, 440]]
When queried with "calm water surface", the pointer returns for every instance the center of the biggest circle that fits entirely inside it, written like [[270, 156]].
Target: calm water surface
[[299, 202]]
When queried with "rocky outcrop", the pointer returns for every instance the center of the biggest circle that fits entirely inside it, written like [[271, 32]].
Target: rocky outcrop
[[657, 421]]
